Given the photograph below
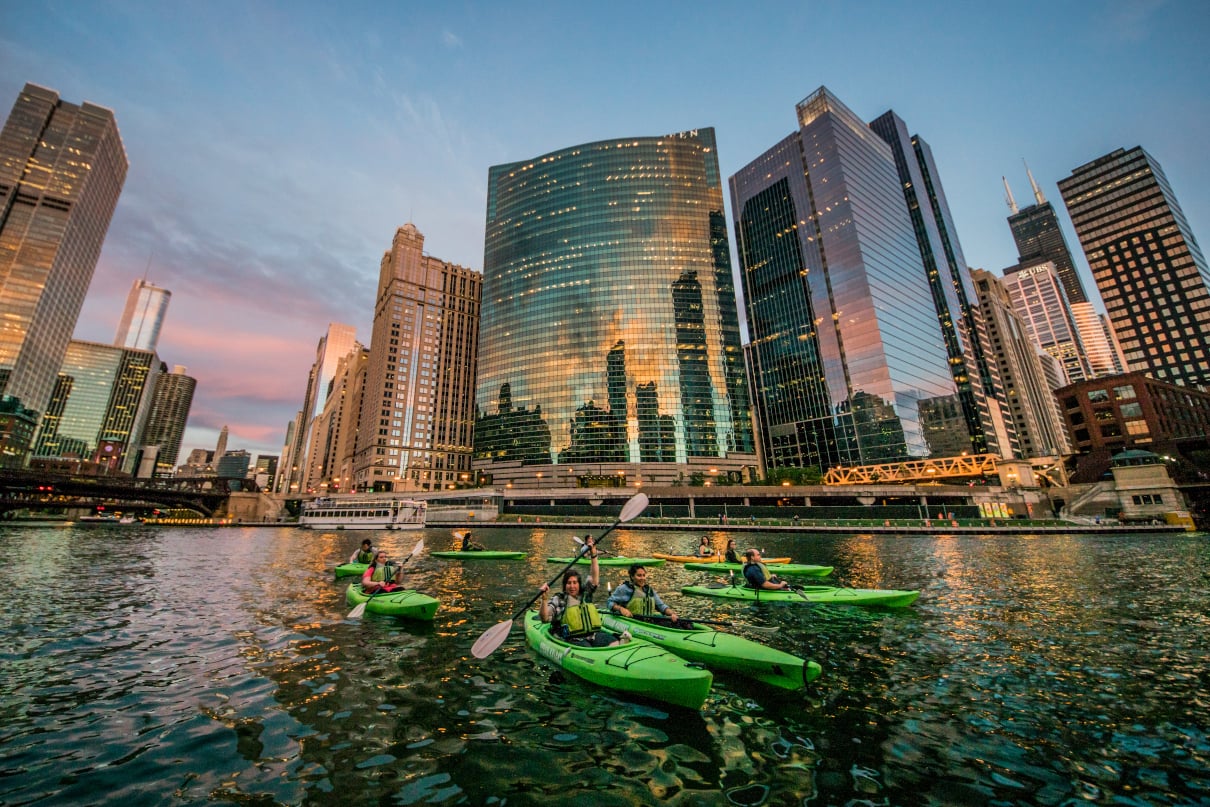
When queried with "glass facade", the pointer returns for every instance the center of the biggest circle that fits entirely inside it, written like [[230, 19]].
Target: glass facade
[[848, 357], [1039, 238], [1147, 264], [173, 397], [610, 332], [143, 316], [1040, 301]]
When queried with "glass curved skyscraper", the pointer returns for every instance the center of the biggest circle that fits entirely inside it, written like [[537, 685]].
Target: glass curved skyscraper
[[609, 339]]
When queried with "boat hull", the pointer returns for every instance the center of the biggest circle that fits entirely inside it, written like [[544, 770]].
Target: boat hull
[[722, 651], [351, 570], [403, 603], [637, 667], [486, 554], [707, 558], [886, 598], [780, 569], [610, 561]]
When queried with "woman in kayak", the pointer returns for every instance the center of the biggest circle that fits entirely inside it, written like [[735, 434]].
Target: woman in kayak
[[704, 549], [363, 555], [468, 545], [382, 575], [731, 556], [757, 574], [571, 614], [633, 597]]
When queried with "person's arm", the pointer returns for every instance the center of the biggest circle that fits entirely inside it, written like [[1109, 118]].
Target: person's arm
[[618, 599], [544, 611], [662, 606], [594, 568], [368, 585]]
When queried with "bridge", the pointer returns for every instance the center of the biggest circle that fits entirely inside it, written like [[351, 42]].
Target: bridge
[[47, 492]]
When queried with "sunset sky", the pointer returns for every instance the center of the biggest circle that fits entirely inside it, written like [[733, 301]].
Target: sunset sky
[[275, 147]]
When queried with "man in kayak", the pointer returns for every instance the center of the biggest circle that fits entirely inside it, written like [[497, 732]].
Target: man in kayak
[[757, 574], [467, 544], [363, 555], [571, 614], [633, 597], [382, 575]]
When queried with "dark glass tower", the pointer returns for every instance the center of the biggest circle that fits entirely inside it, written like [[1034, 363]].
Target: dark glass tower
[[1147, 264], [1039, 238], [949, 280], [848, 358], [609, 324]]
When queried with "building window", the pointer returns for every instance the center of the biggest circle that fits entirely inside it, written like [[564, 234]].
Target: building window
[[1124, 392]]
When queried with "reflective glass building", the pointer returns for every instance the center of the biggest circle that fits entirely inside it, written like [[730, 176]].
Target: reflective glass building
[[849, 360], [609, 341]]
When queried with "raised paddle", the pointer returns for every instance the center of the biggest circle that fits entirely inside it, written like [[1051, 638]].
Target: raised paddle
[[360, 608], [494, 636], [600, 551]]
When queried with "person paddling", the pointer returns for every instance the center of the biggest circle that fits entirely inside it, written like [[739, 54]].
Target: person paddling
[[634, 597], [363, 555], [757, 573], [704, 549], [382, 575], [571, 614], [468, 545]]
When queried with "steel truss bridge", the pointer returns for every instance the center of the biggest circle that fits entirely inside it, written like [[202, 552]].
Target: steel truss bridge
[[40, 491], [939, 468]]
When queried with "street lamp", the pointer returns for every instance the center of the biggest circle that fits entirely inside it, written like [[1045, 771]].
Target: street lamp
[[539, 475]]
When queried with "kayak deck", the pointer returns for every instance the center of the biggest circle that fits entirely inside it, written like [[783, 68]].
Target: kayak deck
[[478, 554], [782, 569], [637, 667], [351, 570], [722, 651], [406, 603], [886, 598], [610, 561]]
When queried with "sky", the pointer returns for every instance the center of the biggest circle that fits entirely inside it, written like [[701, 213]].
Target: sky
[[275, 147]]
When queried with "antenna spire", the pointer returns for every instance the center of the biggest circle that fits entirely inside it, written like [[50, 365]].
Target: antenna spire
[[1008, 197], [1038, 197]]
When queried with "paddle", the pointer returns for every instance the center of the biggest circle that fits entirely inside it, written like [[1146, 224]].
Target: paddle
[[494, 636], [600, 551], [360, 608]]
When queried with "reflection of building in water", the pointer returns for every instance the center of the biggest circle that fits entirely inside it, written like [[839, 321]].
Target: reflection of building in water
[[512, 435], [618, 250], [845, 335]]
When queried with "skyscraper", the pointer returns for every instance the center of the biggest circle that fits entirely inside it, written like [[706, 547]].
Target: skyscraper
[[1040, 301], [62, 167], [849, 360], [610, 334], [143, 316], [949, 280], [1151, 272], [1039, 238], [173, 396], [418, 405]]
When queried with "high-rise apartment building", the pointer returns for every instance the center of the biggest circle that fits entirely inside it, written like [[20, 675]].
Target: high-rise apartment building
[[1039, 238], [1101, 347], [1037, 422], [62, 167], [850, 363], [143, 316], [172, 398], [1147, 264], [334, 434], [418, 406], [610, 333], [1040, 301], [949, 280]]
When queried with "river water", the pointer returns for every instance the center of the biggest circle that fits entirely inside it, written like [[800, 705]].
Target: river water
[[149, 666]]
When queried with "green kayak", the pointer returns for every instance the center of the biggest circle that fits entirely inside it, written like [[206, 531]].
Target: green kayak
[[351, 570], [479, 554], [780, 569], [406, 603], [637, 667], [820, 594], [722, 651], [612, 561]]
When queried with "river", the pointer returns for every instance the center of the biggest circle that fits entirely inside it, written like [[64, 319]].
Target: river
[[170, 666]]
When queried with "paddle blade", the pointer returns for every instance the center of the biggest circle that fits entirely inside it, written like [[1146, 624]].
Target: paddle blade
[[632, 508], [491, 638], [358, 610], [417, 549], [459, 534]]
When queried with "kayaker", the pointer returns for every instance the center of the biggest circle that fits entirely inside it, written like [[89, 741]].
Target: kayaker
[[468, 545], [731, 556], [757, 574], [363, 555], [704, 549], [571, 614], [633, 597], [382, 575]]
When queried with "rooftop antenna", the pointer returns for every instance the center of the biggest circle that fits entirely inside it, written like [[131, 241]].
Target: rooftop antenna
[[148, 269], [1008, 197], [1037, 191]]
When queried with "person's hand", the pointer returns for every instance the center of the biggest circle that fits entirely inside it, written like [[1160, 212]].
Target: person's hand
[[624, 611], [672, 615], [545, 588]]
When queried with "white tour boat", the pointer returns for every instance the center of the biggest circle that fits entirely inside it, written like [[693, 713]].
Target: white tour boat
[[363, 513]]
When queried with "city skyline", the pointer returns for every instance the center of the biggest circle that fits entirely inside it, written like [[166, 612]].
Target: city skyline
[[274, 149]]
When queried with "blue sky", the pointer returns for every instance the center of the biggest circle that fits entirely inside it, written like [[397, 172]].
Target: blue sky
[[275, 147]]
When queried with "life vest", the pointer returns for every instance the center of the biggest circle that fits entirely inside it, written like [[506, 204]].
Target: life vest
[[383, 573], [764, 572], [732, 557], [579, 619], [642, 600], [365, 557]]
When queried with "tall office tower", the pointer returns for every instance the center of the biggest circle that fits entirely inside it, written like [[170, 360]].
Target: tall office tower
[[100, 405], [949, 281], [1040, 301], [1037, 420], [850, 364], [62, 167], [143, 316], [418, 406], [220, 448], [610, 329], [172, 398], [266, 470], [334, 431], [1101, 347], [1039, 238], [334, 344], [288, 464], [1151, 272]]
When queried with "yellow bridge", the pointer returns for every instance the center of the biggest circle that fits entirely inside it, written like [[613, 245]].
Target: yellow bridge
[[915, 471]]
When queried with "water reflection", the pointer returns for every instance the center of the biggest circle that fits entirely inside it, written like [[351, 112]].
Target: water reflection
[[186, 666]]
